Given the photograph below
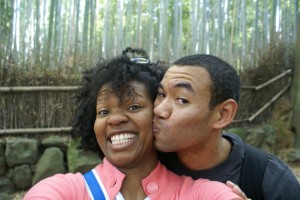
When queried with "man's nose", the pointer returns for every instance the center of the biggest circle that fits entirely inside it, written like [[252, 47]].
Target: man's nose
[[116, 119], [162, 109]]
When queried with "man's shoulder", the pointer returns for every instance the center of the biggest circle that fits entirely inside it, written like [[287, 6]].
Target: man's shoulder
[[277, 165], [270, 161], [277, 173], [279, 180], [252, 152]]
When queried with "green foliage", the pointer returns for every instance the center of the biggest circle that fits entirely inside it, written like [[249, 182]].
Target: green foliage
[[6, 13]]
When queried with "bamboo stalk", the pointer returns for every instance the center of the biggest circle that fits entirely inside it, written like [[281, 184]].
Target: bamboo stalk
[[38, 88], [34, 130]]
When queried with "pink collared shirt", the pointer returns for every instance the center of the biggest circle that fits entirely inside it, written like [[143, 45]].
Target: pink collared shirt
[[160, 184]]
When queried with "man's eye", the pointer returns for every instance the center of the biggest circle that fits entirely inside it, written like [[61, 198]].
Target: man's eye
[[160, 94], [182, 101]]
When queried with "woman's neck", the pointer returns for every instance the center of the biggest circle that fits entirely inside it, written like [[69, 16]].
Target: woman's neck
[[132, 185]]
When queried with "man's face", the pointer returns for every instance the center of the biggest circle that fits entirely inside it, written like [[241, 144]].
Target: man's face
[[182, 119]]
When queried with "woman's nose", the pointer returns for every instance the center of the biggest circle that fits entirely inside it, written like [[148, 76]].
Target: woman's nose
[[116, 119]]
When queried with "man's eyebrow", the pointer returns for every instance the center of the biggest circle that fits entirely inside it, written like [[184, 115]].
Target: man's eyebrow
[[184, 85], [160, 86]]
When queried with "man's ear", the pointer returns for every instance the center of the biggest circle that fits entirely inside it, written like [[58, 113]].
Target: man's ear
[[225, 112]]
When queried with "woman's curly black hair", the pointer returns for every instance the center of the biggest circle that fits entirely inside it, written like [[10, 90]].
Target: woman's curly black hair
[[117, 73]]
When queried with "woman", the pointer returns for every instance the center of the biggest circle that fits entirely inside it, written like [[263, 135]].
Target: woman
[[115, 113]]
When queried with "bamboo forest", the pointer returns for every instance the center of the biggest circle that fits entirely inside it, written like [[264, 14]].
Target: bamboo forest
[[46, 46], [74, 34]]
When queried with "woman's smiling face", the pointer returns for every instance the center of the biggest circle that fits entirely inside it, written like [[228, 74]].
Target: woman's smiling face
[[124, 128]]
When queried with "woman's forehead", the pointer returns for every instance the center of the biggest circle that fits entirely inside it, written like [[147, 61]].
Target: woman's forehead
[[135, 90]]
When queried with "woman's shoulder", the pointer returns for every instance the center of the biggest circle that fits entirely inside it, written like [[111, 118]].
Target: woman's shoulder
[[59, 186]]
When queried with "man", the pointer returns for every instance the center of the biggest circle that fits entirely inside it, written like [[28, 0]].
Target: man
[[196, 99]]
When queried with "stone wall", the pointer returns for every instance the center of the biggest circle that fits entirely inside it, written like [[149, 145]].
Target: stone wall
[[25, 161]]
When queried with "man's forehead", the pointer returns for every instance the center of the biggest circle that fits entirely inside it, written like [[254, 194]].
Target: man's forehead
[[177, 74], [177, 83], [189, 77], [186, 71]]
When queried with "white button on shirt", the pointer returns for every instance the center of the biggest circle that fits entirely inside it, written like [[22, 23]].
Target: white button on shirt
[[152, 187]]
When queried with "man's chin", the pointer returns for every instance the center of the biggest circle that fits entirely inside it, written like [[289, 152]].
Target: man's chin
[[157, 145], [161, 147]]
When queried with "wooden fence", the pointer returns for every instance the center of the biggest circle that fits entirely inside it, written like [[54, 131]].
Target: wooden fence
[[49, 109]]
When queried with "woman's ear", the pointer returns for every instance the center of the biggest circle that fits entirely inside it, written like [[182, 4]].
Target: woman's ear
[[226, 112]]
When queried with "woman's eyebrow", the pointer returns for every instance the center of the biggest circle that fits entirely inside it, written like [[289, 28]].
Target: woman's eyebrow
[[102, 97]]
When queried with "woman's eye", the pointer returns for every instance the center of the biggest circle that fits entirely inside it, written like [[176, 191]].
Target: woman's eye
[[134, 107], [103, 112]]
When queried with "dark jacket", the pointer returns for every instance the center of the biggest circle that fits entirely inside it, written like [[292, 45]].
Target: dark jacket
[[278, 181]]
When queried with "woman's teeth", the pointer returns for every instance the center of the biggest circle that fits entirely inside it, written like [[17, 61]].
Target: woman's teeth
[[122, 138]]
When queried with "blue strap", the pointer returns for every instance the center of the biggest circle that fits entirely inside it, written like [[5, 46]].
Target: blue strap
[[94, 186]]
